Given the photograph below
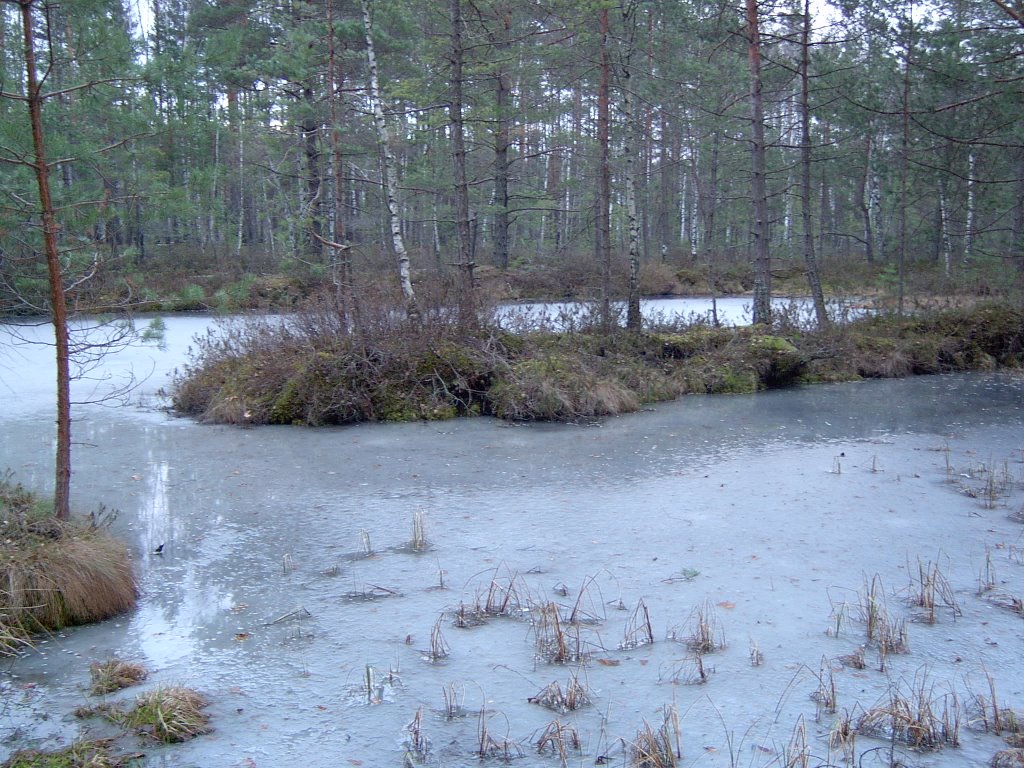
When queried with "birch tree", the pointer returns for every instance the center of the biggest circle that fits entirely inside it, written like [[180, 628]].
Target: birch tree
[[390, 171]]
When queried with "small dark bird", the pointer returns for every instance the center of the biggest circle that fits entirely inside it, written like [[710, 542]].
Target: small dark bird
[[159, 550]]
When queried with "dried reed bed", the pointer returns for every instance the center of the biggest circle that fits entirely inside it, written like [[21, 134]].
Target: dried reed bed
[[575, 696], [915, 715]]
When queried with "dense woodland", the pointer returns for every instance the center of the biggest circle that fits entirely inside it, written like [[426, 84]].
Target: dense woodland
[[328, 139]]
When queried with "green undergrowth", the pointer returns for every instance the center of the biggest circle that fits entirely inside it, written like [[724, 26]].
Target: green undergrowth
[[306, 371], [90, 753]]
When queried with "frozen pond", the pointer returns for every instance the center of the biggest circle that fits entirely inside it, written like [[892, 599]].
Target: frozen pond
[[288, 577]]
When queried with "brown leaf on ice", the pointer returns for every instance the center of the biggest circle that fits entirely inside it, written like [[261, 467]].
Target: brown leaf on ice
[[242, 636], [609, 662], [727, 604]]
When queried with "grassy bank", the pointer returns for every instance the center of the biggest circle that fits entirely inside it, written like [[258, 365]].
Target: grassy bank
[[309, 372], [55, 574]]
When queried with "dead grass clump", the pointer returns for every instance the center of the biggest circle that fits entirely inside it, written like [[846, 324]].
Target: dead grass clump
[[488, 745], [506, 596], [701, 633], [825, 694], [658, 748], [71, 573], [915, 716], [638, 629], [689, 671], [557, 641], [551, 696], [559, 739], [418, 542], [92, 753], [113, 675], [439, 648], [1008, 758], [930, 591], [168, 715], [843, 736], [989, 715]]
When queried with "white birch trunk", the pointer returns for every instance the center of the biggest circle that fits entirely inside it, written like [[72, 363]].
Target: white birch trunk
[[969, 224], [390, 174]]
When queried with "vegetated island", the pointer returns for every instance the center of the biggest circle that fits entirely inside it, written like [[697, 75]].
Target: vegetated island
[[309, 369]]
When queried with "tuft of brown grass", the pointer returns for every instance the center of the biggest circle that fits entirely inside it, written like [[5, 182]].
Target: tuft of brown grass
[[701, 633], [57, 574], [114, 675], [560, 739], [557, 641], [914, 715], [168, 714], [658, 748], [551, 696], [638, 629], [931, 590]]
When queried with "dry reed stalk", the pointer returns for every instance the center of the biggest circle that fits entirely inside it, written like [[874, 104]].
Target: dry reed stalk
[[756, 656], [468, 616], [417, 743], [825, 695], [552, 697], [932, 590], [557, 642], [638, 629], [797, 753], [418, 542], [438, 645], [585, 609], [453, 701], [701, 633], [911, 717], [872, 605], [560, 739], [843, 735], [488, 746], [658, 748]]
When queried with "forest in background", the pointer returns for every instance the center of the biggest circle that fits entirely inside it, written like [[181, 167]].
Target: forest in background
[[234, 144]]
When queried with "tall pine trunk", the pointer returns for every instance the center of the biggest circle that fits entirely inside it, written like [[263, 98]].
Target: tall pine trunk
[[58, 305], [759, 189], [810, 260], [467, 298]]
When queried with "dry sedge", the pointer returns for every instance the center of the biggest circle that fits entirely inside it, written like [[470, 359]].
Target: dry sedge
[[94, 753], [69, 573], [113, 675], [701, 633], [557, 642], [417, 745], [638, 629], [825, 695], [453, 700], [558, 739], [489, 746], [553, 697], [169, 714], [797, 754], [438, 646], [418, 542], [917, 717], [661, 748], [932, 590]]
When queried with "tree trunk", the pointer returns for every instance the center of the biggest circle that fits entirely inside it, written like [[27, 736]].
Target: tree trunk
[[467, 299], [759, 190], [603, 235], [58, 306], [390, 173], [502, 137], [629, 151], [810, 261]]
